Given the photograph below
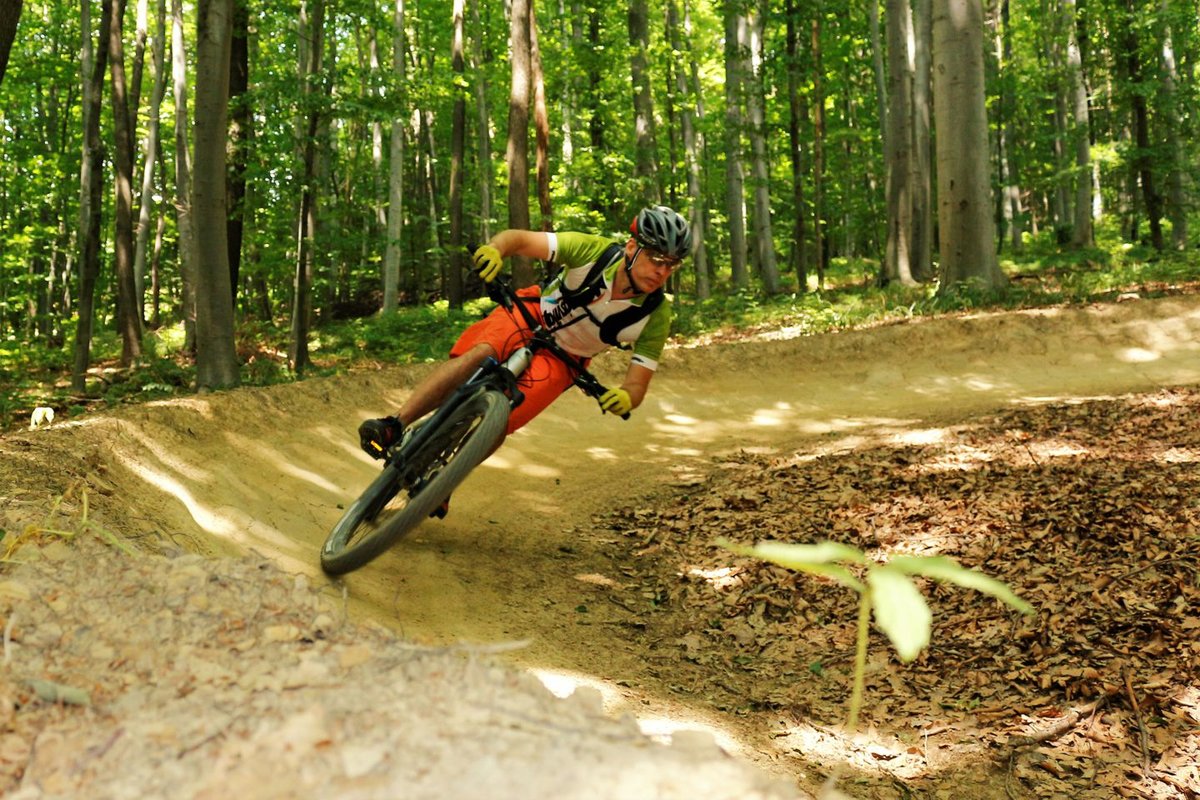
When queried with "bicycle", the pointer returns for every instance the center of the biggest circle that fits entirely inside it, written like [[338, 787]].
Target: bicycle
[[437, 453]]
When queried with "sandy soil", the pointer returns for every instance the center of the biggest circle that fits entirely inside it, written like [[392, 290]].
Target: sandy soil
[[253, 479]]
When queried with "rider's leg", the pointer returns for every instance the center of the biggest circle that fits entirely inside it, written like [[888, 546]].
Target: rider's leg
[[444, 379]]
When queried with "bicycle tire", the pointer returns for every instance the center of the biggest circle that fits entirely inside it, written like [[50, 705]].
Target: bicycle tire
[[387, 509]]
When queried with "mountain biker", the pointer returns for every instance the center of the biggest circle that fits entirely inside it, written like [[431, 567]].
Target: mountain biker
[[606, 294]]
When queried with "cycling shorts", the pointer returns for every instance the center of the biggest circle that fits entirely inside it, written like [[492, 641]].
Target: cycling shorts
[[547, 376]]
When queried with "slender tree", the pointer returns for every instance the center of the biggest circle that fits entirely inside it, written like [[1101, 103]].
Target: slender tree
[[517, 156], [395, 214], [188, 258], [240, 121], [692, 157], [93, 65], [645, 163], [458, 262], [483, 136], [966, 227], [898, 143], [735, 176], [764, 237], [307, 223], [216, 355], [150, 151], [128, 308], [1081, 232], [541, 123]]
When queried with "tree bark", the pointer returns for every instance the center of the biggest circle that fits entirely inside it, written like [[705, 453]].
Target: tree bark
[[735, 204], [764, 237], [94, 64], [1141, 129], [517, 156], [691, 151], [483, 137], [898, 144], [966, 225], [128, 307], [645, 162], [10, 16], [183, 179], [797, 113], [216, 355], [541, 124], [395, 214], [241, 120], [1082, 234], [818, 107], [1177, 204], [306, 223], [458, 261], [149, 158]]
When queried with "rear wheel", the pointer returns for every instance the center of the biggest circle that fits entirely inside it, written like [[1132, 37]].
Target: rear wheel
[[414, 485]]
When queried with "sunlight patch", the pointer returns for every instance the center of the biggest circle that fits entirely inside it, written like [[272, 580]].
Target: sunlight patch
[[602, 453], [719, 578], [1138, 355]]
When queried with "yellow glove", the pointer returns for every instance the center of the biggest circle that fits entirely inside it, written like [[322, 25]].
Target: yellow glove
[[616, 401], [488, 261]]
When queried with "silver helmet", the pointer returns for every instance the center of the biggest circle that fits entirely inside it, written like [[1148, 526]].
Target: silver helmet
[[663, 229]]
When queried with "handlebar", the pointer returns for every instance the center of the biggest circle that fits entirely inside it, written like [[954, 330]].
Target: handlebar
[[500, 290]]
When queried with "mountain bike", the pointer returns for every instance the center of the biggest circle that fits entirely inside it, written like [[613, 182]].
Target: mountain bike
[[435, 454]]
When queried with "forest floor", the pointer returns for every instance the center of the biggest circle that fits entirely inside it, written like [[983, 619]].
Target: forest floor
[[1056, 450]]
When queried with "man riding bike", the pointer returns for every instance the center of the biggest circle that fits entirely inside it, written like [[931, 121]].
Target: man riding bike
[[607, 294]]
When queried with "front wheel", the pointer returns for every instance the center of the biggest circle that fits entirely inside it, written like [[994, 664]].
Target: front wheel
[[414, 484]]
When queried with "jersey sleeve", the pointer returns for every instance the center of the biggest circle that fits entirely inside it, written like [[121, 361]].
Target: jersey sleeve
[[578, 249], [648, 348]]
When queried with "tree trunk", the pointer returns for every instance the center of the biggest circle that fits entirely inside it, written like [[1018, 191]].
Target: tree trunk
[[1061, 203], [10, 15], [458, 133], [150, 155], [735, 205], [128, 308], [965, 223], [541, 125], [517, 156], [483, 138], [796, 114], [691, 152], [1081, 233], [818, 106], [645, 163], [1141, 130], [395, 215], [216, 355], [922, 183], [764, 237], [306, 223], [240, 121], [94, 64], [183, 179], [1177, 204], [1012, 211], [898, 144]]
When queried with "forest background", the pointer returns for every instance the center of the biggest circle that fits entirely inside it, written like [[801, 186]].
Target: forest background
[[196, 195]]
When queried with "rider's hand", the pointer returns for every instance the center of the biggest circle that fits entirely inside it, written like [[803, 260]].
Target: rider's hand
[[487, 261], [616, 401]]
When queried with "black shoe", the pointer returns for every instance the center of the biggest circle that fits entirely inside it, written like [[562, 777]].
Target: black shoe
[[377, 435], [441, 511]]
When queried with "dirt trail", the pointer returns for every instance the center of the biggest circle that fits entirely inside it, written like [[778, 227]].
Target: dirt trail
[[264, 470]]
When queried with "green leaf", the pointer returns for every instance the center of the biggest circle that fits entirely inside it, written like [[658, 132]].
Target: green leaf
[[900, 611], [816, 559], [946, 569]]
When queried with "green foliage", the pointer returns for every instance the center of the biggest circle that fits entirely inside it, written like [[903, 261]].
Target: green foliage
[[888, 591], [410, 334]]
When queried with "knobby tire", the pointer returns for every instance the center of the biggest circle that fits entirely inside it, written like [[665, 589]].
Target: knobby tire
[[387, 510]]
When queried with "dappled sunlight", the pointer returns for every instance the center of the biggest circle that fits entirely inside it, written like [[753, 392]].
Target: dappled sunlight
[[166, 455], [659, 726], [1137, 355], [602, 453], [281, 462]]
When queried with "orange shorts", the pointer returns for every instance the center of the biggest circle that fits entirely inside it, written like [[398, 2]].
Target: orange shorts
[[547, 376]]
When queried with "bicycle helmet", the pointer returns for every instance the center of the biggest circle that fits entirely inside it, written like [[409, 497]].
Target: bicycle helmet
[[663, 229]]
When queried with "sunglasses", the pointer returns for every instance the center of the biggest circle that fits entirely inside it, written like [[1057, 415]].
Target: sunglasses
[[662, 261]]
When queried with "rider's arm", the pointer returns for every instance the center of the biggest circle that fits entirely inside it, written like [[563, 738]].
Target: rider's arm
[[515, 242], [637, 381]]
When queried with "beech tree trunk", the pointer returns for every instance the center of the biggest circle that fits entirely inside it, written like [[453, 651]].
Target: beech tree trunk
[[517, 155]]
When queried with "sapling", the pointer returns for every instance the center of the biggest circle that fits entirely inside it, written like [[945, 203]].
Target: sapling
[[887, 589]]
